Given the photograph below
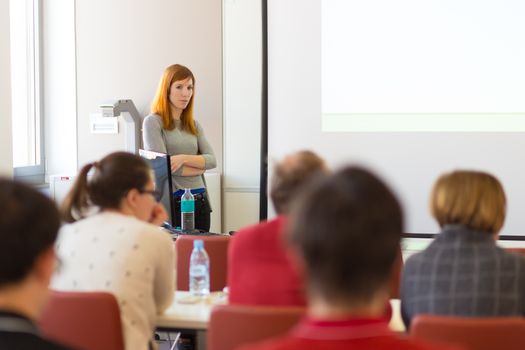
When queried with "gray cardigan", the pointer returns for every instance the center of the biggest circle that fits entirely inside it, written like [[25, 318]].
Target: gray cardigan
[[178, 141], [463, 273]]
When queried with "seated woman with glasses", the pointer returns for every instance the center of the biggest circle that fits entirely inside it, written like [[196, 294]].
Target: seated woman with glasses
[[119, 248]]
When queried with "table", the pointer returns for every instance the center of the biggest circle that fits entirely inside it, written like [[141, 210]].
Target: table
[[188, 313]]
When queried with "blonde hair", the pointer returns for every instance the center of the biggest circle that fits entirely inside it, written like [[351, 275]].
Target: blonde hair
[[474, 199], [161, 102]]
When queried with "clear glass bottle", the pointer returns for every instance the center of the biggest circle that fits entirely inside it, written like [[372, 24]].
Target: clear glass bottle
[[199, 270], [187, 211]]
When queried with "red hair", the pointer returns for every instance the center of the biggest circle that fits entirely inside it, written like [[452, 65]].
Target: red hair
[[161, 102]]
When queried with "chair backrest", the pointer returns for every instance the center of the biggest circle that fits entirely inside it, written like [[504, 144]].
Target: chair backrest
[[471, 333], [83, 320], [234, 325], [517, 250], [217, 249]]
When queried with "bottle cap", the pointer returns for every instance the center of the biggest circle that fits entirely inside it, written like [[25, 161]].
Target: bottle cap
[[198, 244]]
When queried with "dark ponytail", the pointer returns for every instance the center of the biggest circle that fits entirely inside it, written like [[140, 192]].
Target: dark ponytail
[[77, 199], [113, 177]]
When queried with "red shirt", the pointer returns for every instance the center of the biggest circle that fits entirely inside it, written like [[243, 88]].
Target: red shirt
[[351, 334], [260, 270]]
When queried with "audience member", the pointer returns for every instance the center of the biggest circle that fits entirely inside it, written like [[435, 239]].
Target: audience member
[[346, 229], [120, 248], [29, 223], [463, 272], [260, 269]]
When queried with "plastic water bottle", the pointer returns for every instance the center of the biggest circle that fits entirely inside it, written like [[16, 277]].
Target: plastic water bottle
[[199, 270], [187, 211]]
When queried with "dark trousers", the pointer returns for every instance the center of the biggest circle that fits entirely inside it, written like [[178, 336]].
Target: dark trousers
[[202, 212]]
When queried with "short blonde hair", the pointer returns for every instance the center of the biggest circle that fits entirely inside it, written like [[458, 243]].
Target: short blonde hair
[[474, 199]]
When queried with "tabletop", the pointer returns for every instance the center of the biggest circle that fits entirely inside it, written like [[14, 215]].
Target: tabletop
[[188, 312]]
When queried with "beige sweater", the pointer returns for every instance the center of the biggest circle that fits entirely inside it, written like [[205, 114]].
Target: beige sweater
[[125, 256]]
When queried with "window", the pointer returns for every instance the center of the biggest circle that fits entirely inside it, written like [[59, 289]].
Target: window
[[28, 143]]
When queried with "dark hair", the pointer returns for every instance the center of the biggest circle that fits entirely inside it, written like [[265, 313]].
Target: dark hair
[[113, 177], [347, 228], [291, 174], [29, 223]]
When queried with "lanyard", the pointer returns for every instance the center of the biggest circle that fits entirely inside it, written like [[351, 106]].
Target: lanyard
[[18, 325]]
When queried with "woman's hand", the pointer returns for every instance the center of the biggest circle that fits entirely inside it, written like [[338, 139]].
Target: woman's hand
[[158, 215], [177, 161]]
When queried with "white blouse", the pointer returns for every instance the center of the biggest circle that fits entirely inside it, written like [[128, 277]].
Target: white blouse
[[120, 254]]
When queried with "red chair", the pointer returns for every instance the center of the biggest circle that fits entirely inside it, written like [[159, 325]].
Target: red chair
[[517, 250], [234, 325], [217, 249], [83, 320], [506, 333]]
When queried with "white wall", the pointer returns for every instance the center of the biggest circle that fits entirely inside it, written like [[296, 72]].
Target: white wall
[[119, 49], [123, 46], [242, 112], [59, 90], [99, 50], [6, 153]]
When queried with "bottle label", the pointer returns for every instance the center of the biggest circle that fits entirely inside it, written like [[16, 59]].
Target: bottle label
[[188, 222], [199, 270], [187, 206]]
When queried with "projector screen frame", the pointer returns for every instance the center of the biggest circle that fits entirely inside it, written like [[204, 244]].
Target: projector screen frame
[[515, 143]]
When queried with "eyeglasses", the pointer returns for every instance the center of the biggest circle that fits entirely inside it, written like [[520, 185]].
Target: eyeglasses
[[156, 194]]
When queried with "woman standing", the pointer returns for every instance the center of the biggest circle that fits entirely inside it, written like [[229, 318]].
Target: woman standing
[[120, 248], [171, 129]]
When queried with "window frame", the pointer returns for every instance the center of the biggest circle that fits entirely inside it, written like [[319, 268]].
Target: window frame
[[35, 173]]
